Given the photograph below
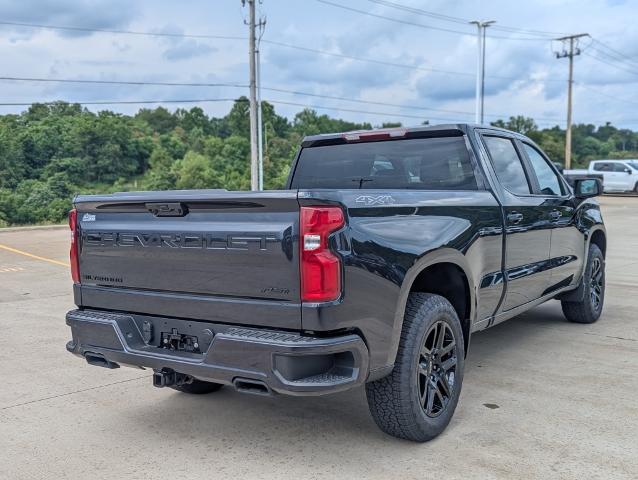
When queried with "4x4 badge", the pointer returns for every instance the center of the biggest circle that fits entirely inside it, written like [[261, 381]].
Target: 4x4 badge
[[375, 199]]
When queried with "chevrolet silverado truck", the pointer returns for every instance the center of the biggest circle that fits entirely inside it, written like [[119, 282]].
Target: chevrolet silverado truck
[[387, 250]]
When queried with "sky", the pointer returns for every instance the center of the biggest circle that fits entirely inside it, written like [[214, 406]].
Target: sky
[[418, 72]]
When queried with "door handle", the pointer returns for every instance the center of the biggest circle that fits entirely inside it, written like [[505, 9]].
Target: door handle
[[555, 215], [514, 218]]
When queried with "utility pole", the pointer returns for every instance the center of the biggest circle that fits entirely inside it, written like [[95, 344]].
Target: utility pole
[[260, 125], [254, 169], [480, 68], [570, 53]]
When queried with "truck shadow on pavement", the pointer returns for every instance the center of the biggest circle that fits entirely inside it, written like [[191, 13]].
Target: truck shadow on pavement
[[237, 417]]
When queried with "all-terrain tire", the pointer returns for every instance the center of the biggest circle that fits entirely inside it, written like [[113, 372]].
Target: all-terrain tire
[[198, 387], [588, 309], [399, 401]]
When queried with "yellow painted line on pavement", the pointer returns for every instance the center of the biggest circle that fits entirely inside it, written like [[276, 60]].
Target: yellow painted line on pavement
[[30, 255]]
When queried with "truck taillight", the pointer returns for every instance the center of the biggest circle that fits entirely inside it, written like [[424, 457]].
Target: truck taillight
[[75, 258], [320, 267]]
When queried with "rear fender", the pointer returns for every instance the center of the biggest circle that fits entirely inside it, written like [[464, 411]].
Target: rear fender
[[443, 255]]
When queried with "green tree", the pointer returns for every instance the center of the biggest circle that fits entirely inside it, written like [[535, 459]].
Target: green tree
[[194, 171], [159, 119], [238, 119], [520, 124]]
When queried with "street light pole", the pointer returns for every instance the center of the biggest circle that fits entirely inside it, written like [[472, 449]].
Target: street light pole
[[480, 69]]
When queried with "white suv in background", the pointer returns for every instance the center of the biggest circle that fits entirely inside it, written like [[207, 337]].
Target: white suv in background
[[618, 175]]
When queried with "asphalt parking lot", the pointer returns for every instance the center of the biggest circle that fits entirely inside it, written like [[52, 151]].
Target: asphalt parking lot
[[542, 398]]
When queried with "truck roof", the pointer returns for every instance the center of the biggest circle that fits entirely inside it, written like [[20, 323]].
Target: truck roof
[[614, 160], [445, 129]]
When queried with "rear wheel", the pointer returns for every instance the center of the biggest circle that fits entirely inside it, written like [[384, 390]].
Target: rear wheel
[[417, 400], [588, 310], [198, 387]]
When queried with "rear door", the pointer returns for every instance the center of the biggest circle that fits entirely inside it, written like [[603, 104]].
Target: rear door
[[610, 177], [567, 242], [527, 243]]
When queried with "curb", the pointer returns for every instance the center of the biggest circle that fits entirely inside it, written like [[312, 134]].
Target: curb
[[33, 227]]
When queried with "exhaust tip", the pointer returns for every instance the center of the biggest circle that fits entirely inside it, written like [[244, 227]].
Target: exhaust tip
[[254, 387], [98, 360]]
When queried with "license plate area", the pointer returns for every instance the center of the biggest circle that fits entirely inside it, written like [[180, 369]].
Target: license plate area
[[178, 342]]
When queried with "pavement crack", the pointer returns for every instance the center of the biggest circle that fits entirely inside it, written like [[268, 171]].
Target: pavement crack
[[611, 336], [72, 393]]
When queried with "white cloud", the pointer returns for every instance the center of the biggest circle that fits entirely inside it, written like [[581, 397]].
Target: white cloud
[[539, 91]]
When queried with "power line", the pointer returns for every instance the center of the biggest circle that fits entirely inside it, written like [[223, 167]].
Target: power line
[[604, 55], [396, 105], [221, 100], [393, 64], [268, 42], [321, 107], [120, 82], [625, 101], [459, 20], [419, 11], [614, 60], [613, 53], [122, 102], [239, 85], [369, 60], [366, 102], [122, 32], [420, 25], [207, 100], [602, 60]]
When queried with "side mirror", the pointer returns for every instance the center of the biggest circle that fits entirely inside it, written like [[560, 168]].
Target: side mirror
[[587, 187], [628, 170]]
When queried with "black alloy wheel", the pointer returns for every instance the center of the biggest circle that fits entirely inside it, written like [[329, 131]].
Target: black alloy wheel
[[596, 283], [417, 399], [588, 307], [437, 369]]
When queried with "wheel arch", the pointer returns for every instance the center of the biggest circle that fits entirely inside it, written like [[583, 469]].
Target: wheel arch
[[451, 268], [598, 236]]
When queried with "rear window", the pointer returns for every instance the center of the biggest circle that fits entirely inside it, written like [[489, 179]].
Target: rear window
[[415, 164]]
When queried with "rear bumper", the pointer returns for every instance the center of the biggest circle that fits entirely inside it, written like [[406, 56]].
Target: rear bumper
[[284, 362]]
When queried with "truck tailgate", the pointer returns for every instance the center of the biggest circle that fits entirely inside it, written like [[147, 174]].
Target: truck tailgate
[[204, 248]]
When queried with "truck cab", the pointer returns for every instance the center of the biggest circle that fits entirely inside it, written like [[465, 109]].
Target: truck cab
[[618, 175]]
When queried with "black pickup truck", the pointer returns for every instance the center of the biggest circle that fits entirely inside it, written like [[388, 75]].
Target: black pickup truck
[[388, 249]]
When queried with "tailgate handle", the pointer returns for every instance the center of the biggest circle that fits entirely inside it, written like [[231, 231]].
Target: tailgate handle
[[167, 209]]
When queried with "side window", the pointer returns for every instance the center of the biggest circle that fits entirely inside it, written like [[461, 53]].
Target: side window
[[507, 164], [620, 167], [603, 167], [547, 179]]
